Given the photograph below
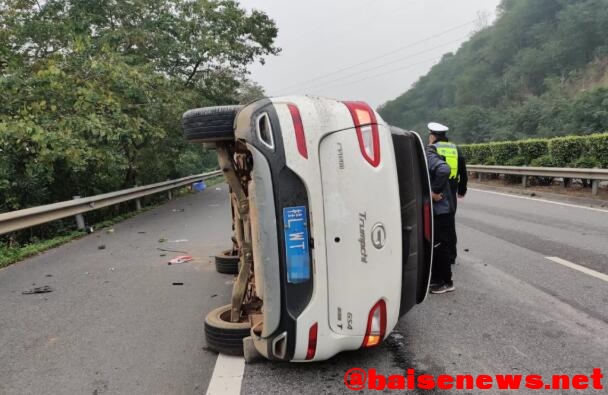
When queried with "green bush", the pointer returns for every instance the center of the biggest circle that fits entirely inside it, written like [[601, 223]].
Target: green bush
[[543, 161], [465, 150], [489, 161], [532, 149], [571, 151], [504, 152], [598, 148], [478, 154], [566, 150], [585, 162], [514, 161]]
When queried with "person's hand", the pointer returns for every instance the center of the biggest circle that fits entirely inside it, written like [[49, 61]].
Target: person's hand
[[460, 196], [437, 196]]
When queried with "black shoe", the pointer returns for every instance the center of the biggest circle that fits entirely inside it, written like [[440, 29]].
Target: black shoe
[[441, 289], [450, 286]]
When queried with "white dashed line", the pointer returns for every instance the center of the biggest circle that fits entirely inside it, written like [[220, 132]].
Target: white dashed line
[[580, 268], [540, 200], [227, 376]]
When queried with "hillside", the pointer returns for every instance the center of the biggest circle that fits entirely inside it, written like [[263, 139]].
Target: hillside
[[540, 70]]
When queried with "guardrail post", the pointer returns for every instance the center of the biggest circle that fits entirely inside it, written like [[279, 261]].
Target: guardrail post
[[595, 185], [137, 202], [524, 181], [79, 217], [169, 194], [480, 177]]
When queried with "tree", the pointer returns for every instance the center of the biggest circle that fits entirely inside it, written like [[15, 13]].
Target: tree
[[534, 72], [92, 92]]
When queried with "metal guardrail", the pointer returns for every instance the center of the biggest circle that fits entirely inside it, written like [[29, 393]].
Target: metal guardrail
[[21, 219], [596, 175]]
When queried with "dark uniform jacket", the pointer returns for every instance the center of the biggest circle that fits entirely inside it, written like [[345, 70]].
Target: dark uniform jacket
[[439, 173]]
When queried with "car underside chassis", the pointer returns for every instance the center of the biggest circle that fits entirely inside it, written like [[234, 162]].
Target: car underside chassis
[[226, 327]]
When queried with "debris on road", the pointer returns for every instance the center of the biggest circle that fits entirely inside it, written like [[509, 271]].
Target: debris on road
[[178, 210], [111, 269], [466, 250], [218, 189], [141, 232], [49, 275], [38, 290], [166, 250], [178, 283], [179, 241], [181, 259], [162, 240], [214, 295], [163, 254], [111, 230], [101, 247]]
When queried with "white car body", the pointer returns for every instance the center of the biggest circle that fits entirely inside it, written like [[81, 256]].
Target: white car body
[[356, 291]]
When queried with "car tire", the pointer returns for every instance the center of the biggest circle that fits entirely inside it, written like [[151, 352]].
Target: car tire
[[222, 335], [226, 263], [210, 124]]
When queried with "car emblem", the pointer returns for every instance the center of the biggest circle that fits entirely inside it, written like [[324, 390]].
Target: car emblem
[[378, 236]]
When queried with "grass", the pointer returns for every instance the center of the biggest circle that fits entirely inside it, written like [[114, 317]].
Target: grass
[[214, 181], [14, 254], [10, 255]]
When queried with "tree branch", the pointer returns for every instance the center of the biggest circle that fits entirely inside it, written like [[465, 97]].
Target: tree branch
[[191, 76]]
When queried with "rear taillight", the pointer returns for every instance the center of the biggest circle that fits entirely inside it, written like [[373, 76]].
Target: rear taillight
[[312, 341], [366, 125], [376, 325], [428, 224], [299, 129]]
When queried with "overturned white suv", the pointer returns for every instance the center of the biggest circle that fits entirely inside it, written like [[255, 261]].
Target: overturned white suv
[[332, 222]]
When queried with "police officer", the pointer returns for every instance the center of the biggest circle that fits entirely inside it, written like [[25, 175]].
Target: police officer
[[457, 163], [442, 158], [453, 157]]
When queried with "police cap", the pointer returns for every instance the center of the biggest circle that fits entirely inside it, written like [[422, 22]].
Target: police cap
[[437, 128]]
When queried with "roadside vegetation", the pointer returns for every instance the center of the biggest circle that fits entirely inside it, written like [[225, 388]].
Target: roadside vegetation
[[573, 151], [14, 252], [92, 93], [541, 70]]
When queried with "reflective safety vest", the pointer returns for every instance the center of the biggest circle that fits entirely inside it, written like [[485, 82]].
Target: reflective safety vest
[[450, 153]]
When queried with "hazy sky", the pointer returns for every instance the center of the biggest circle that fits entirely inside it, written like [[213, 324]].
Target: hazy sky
[[370, 50]]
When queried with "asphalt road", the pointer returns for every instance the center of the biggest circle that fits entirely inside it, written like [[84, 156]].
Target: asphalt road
[[115, 323]]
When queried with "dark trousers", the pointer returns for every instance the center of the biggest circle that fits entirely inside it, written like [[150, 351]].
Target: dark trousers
[[444, 253]]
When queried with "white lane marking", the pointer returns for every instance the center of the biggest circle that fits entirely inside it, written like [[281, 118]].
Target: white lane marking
[[580, 268], [540, 200], [227, 375]]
